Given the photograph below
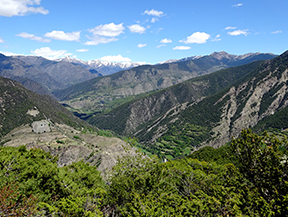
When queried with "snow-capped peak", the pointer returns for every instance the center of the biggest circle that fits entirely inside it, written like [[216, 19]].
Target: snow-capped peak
[[104, 67]]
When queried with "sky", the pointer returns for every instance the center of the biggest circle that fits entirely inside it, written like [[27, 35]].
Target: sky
[[149, 31]]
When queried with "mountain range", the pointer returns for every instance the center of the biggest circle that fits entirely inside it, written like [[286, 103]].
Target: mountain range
[[103, 67], [206, 110], [51, 75], [109, 91], [63, 72], [171, 108], [47, 152]]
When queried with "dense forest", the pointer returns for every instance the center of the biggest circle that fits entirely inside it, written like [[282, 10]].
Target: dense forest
[[247, 177]]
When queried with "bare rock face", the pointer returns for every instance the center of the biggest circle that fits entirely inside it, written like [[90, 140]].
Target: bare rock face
[[254, 94], [91, 148]]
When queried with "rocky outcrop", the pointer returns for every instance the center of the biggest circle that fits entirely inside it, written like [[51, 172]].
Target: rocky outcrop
[[93, 149], [261, 98]]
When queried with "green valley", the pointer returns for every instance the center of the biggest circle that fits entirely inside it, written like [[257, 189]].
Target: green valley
[[99, 93]]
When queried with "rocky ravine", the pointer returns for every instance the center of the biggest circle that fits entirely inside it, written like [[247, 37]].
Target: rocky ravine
[[256, 91], [261, 93]]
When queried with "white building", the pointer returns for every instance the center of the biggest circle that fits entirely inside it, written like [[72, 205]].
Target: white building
[[40, 126]]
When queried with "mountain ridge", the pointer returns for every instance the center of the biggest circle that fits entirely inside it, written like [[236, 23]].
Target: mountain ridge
[[95, 94], [64, 72], [214, 120], [102, 66], [204, 121], [138, 112], [16, 101]]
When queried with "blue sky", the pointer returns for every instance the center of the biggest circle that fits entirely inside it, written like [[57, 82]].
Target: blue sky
[[148, 31]]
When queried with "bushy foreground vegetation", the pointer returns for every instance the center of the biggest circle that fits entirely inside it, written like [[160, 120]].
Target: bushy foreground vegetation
[[250, 180]]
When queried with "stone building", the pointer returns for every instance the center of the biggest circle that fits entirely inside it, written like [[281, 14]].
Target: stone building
[[40, 126]]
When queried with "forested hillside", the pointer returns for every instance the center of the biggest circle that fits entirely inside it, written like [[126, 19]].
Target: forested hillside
[[17, 100], [133, 115], [174, 121], [242, 184], [214, 120]]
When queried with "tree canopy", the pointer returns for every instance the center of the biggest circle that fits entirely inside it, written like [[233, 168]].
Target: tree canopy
[[249, 180]]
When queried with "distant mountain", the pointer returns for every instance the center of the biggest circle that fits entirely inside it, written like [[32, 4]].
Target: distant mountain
[[52, 75], [16, 68], [32, 85], [132, 116], [206, 110], [101, 93], [65, 73], [229, 57], [181, 60], [102, 67]]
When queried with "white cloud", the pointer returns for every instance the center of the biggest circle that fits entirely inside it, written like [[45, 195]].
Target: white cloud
[[161, 45], [153, 20], [32, 37], [137, 29], [197, 37], [165, 41], [230, 27], [11, 8], [117, 58], [82, 50], [154, 13], [47, 53], [62, 36], [99, 40], [239, 32], [182, 48], [237, 5], [1, 40], [108, 30], [141, 45], [217, 38], [277, 32]]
